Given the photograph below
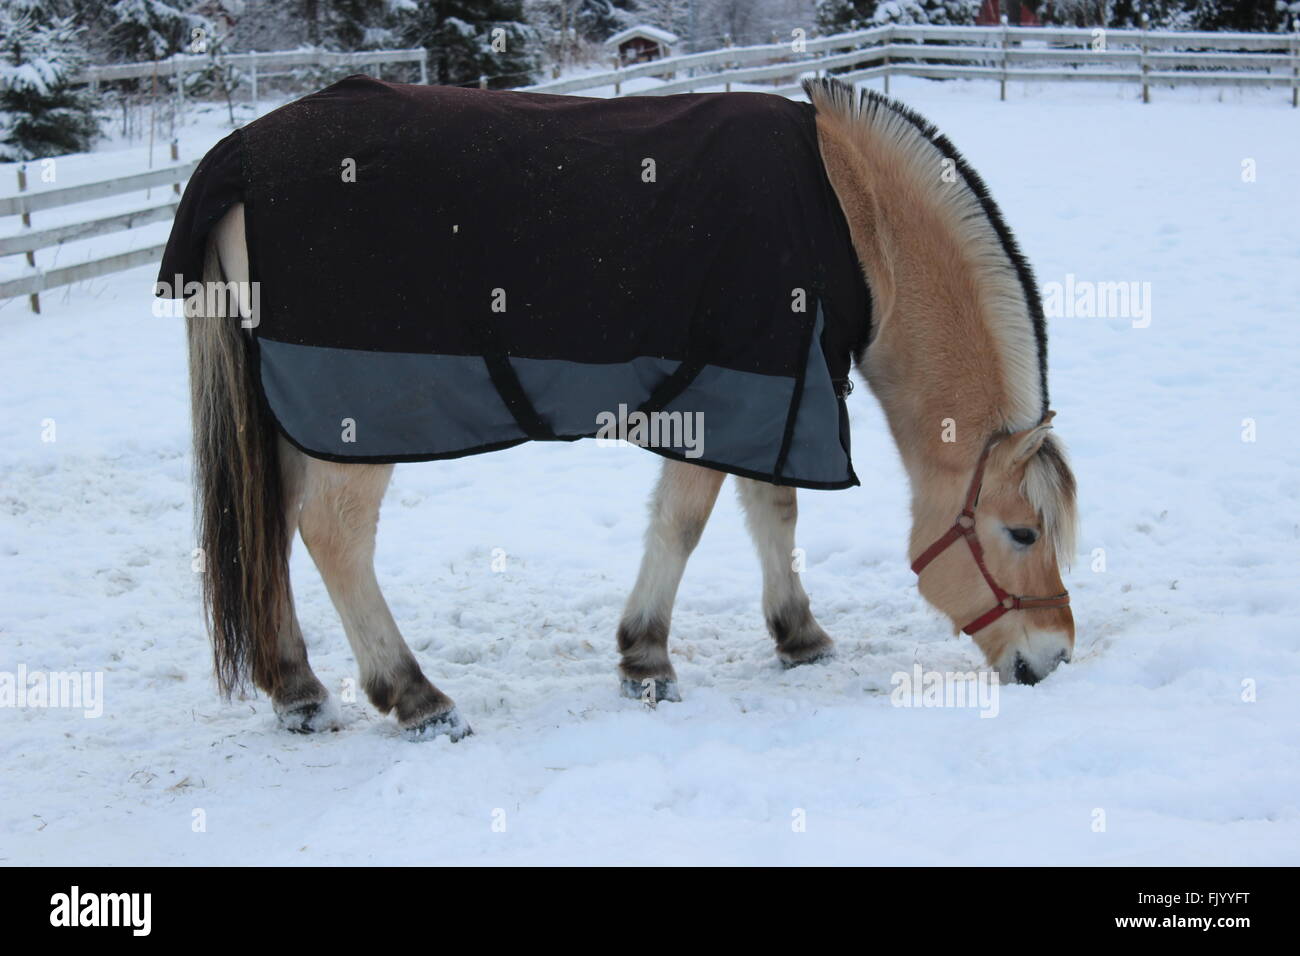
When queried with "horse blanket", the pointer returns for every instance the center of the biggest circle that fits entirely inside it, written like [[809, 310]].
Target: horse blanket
[[442, 272]]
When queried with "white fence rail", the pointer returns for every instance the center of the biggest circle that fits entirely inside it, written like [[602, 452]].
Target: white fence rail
[[254, 63], [1041, 54]]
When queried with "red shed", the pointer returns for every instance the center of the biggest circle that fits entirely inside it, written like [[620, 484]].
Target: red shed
[[641, 44]]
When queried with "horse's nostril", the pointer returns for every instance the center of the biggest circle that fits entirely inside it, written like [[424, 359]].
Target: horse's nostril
[[1023, 673]]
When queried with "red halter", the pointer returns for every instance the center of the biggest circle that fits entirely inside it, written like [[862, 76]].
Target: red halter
[[964, 527]]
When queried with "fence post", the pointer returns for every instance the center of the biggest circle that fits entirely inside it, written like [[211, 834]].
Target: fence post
[[33, 300], [180, 88], [1142, 62], [176, 155], [1002, 93], [726, 65], [424, 68], [889, 40], [482, 82], [1295, 62], [254, 81]]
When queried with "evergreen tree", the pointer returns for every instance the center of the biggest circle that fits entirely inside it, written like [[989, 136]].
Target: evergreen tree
[[1243, 15], [563, 26], [356, 24], [671, 15], [41, 114], [467, 39], [842, 16], [938, 12], [147, 29]]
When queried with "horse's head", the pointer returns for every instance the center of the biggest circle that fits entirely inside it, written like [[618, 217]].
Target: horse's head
[[997, 574]]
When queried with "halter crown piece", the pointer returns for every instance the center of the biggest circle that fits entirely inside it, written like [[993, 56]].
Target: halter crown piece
[[964, 527]]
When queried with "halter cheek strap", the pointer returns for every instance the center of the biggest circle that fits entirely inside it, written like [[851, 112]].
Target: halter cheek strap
[[964, 527]]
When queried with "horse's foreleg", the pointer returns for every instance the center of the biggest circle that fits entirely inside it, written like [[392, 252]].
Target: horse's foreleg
[[679, 509], [339, 518], [771, 512]]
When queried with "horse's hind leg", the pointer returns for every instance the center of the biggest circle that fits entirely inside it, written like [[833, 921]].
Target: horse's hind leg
[[300, 700], [682, 503], [771, 512], [339, 518]]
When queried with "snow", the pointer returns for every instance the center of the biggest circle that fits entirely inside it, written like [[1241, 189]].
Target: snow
[[1147, 729]]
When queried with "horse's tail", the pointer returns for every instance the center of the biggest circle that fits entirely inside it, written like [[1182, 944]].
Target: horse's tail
[[238, 500]]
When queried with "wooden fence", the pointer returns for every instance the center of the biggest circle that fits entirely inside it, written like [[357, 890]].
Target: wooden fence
[[29, 240], [1143, 58], [255, 66]]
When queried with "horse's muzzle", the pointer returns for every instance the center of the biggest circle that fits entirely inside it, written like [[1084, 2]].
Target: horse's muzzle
[[1026, 673]]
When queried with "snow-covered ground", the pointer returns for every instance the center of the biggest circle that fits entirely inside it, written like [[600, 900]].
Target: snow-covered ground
[[1172, 738]]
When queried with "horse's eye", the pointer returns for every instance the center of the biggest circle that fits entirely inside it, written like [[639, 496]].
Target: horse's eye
[[1023, 536]]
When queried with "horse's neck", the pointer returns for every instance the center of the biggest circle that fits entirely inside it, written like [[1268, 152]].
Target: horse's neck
[[933, 362], [931, 369]]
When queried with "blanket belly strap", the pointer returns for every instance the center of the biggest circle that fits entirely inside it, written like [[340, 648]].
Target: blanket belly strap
[[507, 384]]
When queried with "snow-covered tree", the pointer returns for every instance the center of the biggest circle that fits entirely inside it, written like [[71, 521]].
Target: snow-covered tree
[[671, 15], [1243, 15], [938, 12], [41, 113], [840, 16], [566, 27], [467, 39], [147, 29], [354, 24]]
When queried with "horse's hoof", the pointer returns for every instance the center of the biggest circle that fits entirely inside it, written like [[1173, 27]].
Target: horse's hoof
[[449, 723], [651, 690], [818, 647], [799, 638], [789, 663], [310, 716]]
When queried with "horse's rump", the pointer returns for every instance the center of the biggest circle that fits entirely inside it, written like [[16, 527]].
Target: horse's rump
[[454, 271]]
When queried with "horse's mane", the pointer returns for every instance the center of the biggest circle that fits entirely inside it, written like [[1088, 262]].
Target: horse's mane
[[1011, 305]]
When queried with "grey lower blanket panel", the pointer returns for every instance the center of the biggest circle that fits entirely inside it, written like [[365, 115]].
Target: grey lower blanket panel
[[355, 406]]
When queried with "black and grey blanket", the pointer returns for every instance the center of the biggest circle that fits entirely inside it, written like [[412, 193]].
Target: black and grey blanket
[[443, 272]]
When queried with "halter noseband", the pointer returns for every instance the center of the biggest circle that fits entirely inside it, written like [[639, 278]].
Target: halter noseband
[[964, 527]]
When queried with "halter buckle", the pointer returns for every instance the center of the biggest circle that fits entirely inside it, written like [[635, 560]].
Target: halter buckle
[[1009, 602], [966, 521]]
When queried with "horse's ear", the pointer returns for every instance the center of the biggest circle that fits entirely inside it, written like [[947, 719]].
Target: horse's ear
[[1022, 446]]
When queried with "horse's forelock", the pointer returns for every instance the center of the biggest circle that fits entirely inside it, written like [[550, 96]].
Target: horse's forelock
[[1049, 486]]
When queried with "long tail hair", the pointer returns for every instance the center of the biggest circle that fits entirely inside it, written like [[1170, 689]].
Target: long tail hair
[[238, 500]]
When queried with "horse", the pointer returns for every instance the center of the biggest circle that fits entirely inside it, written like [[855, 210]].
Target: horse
[[955, 353]]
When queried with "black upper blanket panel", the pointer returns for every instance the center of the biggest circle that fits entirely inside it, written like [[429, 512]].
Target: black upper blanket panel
[[444, 271]]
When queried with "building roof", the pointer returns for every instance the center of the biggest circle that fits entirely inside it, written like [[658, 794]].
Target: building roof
[[643, 30]]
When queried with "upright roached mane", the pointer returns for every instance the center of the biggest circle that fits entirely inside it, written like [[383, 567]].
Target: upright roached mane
[[1009, 299]]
